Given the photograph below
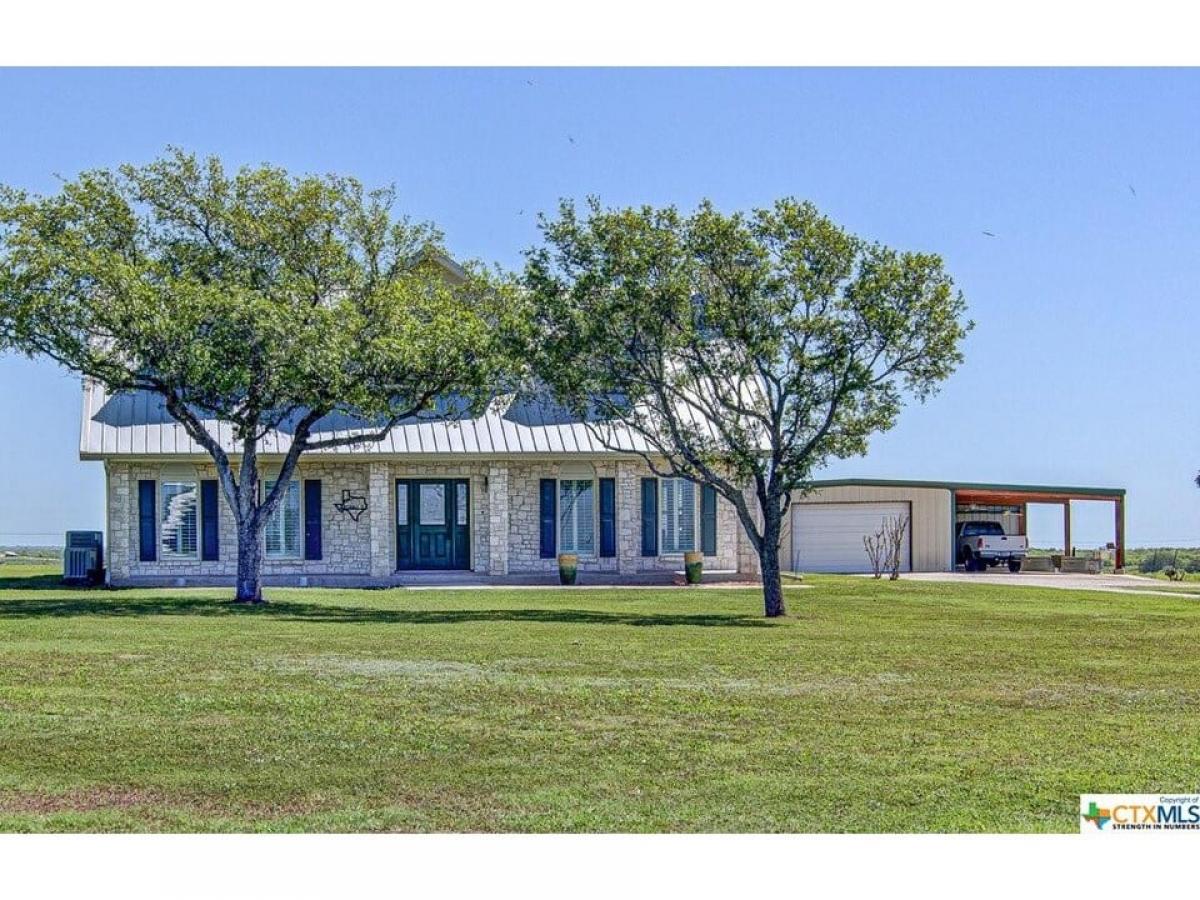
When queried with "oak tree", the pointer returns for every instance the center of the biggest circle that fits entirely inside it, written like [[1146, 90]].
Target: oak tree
[[258, 298], [743, 350]]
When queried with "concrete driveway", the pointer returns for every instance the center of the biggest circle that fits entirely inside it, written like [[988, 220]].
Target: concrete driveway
[[1121, 584]]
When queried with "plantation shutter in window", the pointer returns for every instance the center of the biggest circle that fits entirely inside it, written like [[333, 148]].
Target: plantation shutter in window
[[608, 517], [148, 551], [282, 531], [312, 518], [649, 517], [209, 531], [708, 520], [548, 517]]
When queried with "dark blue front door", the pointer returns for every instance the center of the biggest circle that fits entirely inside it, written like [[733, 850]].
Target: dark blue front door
[[432, 524]]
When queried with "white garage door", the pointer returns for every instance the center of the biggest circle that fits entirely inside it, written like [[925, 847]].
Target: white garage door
[[828, 537]]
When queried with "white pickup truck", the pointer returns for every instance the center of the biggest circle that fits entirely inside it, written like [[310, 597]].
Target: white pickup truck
[[983, 544]]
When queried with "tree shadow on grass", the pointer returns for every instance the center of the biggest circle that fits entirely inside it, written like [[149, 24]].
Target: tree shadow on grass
[[51, 582], [113, 604]]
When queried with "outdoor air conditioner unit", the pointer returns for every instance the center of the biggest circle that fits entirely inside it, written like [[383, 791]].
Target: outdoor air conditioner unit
[[83, 558]]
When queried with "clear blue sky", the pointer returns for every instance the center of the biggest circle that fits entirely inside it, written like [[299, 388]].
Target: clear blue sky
[[1081, 369]]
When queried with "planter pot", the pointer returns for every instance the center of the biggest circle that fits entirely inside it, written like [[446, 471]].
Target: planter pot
[[568, 568], [693, 566]]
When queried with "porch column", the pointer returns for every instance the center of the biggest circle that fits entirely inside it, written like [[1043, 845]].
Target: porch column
[[629, 517], [748, 562], [120, 514], [1067, 528], [497, 501], [379, 507], [1119, 561]]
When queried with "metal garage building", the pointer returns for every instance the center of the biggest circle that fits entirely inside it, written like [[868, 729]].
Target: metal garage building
[[826, 526]]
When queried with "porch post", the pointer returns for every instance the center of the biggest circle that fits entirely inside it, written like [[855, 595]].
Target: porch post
[[120, 513], [629, 522], [1119, 562], [497, 506], [748, 562], [379, 508], [1067, 528]]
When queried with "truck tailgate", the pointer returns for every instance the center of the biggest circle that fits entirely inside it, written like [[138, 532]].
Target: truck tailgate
[[1008, 543]]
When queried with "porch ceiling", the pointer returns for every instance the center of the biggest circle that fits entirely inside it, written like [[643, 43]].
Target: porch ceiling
[[1017, 497]]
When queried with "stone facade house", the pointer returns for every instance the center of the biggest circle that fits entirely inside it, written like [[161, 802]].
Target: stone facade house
[[500, 495]]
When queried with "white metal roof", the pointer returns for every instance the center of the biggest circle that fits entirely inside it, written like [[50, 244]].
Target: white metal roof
[[138, 424]]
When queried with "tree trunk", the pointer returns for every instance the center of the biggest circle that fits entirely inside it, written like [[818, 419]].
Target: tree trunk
[[249, 568], [768, 558], [772, 580]]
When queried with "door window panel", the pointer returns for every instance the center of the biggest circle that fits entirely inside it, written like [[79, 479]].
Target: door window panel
[[433, 504]]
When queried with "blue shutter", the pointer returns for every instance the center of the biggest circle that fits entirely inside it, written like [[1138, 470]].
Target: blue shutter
[[210, 547], [608, 517], [548, 515], [147, 547], [649, 517], [312, 518], [708, 520]]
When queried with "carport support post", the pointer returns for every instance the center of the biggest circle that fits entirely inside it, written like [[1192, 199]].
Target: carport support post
[[1119, 562], [1067, 528]]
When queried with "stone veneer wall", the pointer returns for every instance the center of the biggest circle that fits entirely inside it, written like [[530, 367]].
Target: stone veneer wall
[[504, 521], [345, 543], [524, 531]]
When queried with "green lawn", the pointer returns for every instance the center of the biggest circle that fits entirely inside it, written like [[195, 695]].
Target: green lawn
[[875, 706]]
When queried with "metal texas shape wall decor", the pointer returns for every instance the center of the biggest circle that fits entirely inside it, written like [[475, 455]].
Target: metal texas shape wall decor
[[352, 504]]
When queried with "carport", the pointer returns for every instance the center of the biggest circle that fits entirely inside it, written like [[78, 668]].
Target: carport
[[998, 501], [825, 530]]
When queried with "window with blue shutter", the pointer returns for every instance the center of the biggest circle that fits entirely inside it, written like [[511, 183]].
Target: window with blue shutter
[[708, 520], [210, 548], [608, 517], [649, 517], [547, 517], [147, 546], [312, 518]]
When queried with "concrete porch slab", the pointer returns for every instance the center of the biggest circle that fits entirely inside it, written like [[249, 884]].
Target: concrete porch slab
[[457, 580], [606, 580]]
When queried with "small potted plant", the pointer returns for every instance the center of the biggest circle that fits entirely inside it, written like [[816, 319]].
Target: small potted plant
[[693, 566], [568, 568]]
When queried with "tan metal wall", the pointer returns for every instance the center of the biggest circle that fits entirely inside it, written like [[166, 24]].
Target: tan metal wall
[[931, 517]]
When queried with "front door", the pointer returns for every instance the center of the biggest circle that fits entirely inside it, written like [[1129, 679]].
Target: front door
[[432, 524]]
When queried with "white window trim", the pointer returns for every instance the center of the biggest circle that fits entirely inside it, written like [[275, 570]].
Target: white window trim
[[697, 538], [595, 554], [165, 555], [284, 557]]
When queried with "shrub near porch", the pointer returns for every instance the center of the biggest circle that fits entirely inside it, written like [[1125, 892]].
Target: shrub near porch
[[875, 706]]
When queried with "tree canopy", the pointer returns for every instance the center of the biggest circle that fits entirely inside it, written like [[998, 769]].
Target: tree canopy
[[746, 349], [257, 297]]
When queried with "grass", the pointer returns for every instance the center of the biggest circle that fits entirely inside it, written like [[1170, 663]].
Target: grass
[[874, 706]]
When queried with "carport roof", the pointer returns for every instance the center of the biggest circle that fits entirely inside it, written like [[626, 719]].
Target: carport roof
[[1028, 493]]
